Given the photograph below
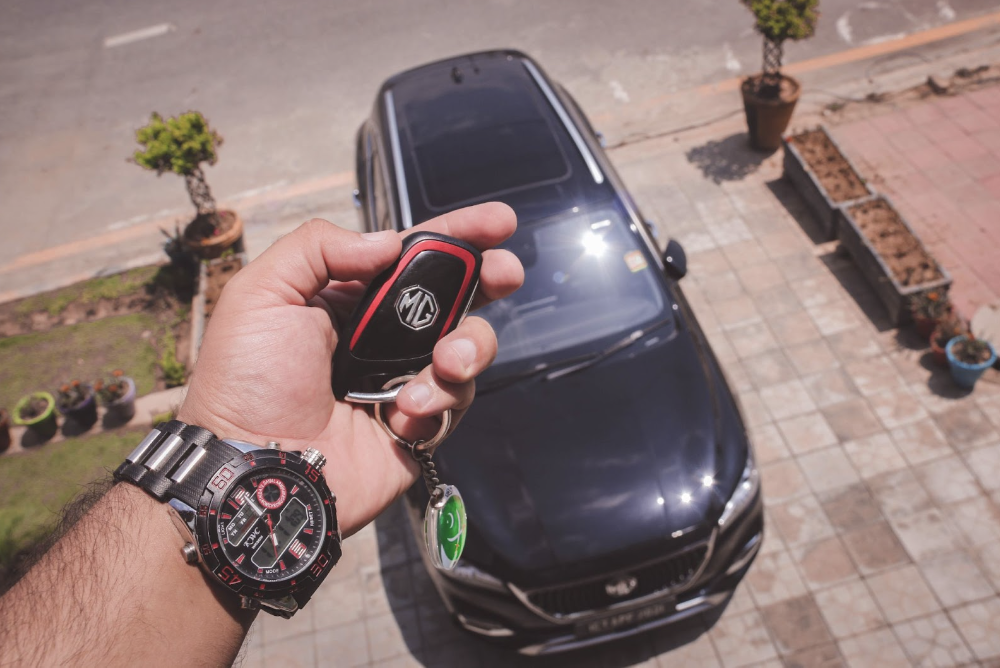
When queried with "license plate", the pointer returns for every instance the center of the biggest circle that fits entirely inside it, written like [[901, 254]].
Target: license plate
[[623, 620]]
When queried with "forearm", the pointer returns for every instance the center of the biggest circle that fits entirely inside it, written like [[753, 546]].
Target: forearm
[[115, 590]]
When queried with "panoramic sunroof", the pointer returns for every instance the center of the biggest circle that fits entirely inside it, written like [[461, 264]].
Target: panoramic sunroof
[[477, 134]]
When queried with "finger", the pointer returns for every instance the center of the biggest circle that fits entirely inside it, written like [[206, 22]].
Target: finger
[[416, 413], [500, 275], [466, 352], [301, 264], [484, 225]]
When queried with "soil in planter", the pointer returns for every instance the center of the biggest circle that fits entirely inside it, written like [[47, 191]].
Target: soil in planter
[[217, 274], [965, 353], [34, 408], [906, 257], [833, 171]]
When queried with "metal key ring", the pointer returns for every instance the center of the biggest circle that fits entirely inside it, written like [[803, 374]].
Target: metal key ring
[[419, 446]]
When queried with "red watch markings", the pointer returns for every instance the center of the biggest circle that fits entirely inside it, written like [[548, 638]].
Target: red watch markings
[[281, 565], [274, 539], [225, 516], [307, 531], [294, 489], [234, 504], [215, 546], [252, 463], [326, 502], [329, 533], [260, 570], [254, 482], [211, 512], [262, 586], [239, 559], [282, 493]]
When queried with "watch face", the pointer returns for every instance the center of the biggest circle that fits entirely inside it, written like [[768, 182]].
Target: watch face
[[270, 524], [267, 525]]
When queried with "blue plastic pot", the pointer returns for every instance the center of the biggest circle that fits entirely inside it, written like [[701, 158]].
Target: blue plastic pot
[[966, 375]]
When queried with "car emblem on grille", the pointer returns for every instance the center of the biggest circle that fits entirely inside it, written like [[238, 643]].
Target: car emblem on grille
[[416, 307], [621, 586]]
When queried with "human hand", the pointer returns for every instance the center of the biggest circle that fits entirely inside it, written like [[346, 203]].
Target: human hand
[[263, 373]]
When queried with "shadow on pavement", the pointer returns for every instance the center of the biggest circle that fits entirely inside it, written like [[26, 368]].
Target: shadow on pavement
[[846, 272], [785, 193], [729, 159], [433, 638]]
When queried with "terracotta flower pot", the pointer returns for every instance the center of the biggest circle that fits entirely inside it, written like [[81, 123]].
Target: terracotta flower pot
[[207, 248], [43, 426], [937, 352], [924, 325], [767, 118]]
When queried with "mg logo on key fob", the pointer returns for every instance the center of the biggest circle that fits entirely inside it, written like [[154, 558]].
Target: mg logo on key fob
[[416, 307]]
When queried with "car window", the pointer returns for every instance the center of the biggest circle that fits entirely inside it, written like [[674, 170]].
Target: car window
[[587, 276]]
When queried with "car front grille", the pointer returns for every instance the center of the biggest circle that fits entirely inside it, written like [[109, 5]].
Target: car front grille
[[652, 578]]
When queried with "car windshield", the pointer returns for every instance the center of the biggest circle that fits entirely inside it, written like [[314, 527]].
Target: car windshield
[[586, 278]]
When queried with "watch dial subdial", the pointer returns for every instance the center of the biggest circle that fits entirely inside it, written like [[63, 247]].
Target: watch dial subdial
[[271, 524]]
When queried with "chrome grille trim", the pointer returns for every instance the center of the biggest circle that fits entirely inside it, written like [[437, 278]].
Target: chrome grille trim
[[524, 595]]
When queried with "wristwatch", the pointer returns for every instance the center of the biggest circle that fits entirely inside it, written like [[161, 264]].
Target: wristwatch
[[261, 521]]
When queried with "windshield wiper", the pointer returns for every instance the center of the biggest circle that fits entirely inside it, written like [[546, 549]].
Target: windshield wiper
[[617, 346], [554, 370]]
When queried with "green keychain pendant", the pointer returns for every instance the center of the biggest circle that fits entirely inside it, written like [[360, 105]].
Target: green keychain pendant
[[445, 526]]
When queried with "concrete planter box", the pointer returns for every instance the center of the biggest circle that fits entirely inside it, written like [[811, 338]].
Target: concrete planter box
[[894, 296], [198, 316], [802, 176]]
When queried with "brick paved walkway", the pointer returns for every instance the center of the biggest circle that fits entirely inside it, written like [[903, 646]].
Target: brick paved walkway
[[940, 161], [881, 481]]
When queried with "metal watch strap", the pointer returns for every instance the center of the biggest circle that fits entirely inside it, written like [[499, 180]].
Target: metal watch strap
[[176, 461]]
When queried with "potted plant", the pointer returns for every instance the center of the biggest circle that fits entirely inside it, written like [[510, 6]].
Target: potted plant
[[769, 97], [180, 145], [946, 330], [76, 401], [928, 310], [118, 397], [4, 429], [968, 358], [37, 412]]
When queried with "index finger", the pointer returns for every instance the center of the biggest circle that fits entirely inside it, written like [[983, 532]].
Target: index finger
[[484, 225]]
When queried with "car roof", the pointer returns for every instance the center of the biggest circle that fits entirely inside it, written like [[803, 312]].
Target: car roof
[[485, 126]]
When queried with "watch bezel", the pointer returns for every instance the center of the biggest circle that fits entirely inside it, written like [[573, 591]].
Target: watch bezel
[[214, 558]]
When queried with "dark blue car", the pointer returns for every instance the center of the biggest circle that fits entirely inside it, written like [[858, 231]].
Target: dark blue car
[[609, 480]]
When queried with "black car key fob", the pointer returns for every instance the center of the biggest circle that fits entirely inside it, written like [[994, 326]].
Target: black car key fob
[[406, 310]]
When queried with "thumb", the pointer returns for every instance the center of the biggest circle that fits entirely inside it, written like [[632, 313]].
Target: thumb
[[300, 264]]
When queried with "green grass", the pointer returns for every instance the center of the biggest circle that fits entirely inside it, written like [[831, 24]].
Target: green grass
[[85, 351], [90, 291], [35, 485]]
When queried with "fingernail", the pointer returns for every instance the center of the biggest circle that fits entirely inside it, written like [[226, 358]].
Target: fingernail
[[420, 394], [465, 349], [377, 236]]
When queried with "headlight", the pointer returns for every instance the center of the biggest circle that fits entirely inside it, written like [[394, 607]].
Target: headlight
[[744, 492], [470, 575]]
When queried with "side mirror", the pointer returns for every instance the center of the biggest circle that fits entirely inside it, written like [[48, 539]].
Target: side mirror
[[675, 261]]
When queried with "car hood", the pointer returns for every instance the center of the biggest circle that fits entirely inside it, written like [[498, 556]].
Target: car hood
[[558, 473]]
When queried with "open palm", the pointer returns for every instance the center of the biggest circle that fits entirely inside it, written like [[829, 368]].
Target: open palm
[[264, 370]]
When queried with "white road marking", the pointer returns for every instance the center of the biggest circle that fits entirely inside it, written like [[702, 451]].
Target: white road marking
[[732, 63], [619, 92], [138, 35], [135, 220], [257, 191], [945, 11], [844, 27]]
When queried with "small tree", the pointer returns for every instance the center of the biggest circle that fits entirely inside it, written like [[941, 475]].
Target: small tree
[[777, 21], [180, 145]]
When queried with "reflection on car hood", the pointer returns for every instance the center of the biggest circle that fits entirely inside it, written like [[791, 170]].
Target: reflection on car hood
[[565, 471]]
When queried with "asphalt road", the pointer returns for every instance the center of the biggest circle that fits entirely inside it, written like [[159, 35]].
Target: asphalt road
[[288, 83]]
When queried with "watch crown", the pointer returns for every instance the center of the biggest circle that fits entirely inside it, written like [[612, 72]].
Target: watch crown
[[190, 553], [273, 445], [314, 458]]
